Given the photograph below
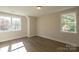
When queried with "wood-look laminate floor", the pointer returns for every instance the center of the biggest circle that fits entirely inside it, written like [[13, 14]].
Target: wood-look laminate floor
[[36, 44]]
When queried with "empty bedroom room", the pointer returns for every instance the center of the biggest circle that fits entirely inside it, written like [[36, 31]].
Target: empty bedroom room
[[39, 29]]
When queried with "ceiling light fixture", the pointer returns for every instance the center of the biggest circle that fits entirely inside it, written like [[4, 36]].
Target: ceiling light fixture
[[38, 7]]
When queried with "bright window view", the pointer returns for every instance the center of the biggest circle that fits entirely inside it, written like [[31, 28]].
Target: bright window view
[[68, 23], [10, 23]]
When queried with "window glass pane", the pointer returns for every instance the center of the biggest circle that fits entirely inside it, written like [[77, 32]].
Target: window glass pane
[[16, 24], [68, 22], [10, 24], [5, 23]]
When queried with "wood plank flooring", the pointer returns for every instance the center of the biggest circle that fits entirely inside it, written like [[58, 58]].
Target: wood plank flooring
[[38, 44]]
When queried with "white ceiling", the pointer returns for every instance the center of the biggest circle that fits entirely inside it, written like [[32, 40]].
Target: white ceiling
[[31, 10]]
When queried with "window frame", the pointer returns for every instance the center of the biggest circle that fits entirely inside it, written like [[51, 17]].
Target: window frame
[[11, 30], [75, 22]]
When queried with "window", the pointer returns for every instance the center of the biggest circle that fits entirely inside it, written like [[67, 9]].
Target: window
[[10, 23], [16, 24], [68, 23]]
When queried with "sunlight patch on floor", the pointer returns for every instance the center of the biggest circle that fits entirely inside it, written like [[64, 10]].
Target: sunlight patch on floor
[[4, 49], [14, 48]]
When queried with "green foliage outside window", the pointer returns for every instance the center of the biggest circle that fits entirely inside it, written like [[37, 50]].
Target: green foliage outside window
[[68, 23]]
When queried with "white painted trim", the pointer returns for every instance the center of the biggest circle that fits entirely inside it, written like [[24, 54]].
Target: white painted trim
[[32, 35], [58, 40]]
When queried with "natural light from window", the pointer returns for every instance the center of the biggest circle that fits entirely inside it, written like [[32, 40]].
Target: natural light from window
[[68, 23], [9, 23], [16, 48]]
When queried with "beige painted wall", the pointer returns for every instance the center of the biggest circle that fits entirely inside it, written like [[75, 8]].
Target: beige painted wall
[[33, 26], [49, 27]]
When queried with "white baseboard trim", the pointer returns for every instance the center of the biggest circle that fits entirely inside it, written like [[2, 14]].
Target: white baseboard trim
[[31, 35], [58, 40]]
